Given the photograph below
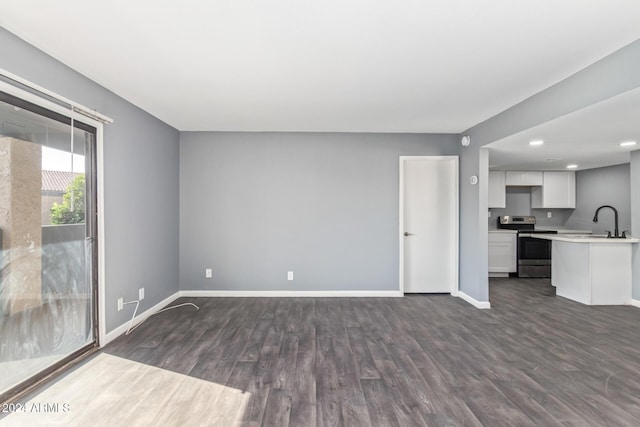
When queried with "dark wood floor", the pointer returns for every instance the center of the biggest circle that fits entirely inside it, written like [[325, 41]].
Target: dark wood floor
[[533, 359]]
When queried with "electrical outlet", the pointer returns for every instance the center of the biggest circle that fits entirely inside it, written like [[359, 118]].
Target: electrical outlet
[[208, 273], [549, 214], [289, 275], [141, 294], [120, 304]]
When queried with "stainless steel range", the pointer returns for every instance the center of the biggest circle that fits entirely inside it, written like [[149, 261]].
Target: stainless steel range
[[534, 255]]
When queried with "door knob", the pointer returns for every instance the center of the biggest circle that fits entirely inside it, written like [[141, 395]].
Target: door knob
[[407, 234]]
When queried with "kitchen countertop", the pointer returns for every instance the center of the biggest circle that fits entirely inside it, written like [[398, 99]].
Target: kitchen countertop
[[561, 230], [582, 238], [543, 228]]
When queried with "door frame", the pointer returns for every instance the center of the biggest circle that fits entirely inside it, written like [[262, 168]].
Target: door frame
[[99, 172], [456, 247]]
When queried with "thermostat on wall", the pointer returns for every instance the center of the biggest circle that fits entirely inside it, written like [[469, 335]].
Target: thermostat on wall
[[473, 180], [465, 141]]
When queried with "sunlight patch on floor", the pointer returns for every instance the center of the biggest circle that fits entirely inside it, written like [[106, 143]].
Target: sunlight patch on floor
[[109, 390]]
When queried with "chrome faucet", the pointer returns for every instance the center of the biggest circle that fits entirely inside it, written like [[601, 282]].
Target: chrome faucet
[[616, 233]]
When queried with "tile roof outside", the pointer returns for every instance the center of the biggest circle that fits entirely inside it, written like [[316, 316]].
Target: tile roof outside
[[57, 181]]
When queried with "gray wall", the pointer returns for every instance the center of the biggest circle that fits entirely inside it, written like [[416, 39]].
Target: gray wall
[[256, 205], [602, 186], [613, 75], [140, 181], [635, 219]]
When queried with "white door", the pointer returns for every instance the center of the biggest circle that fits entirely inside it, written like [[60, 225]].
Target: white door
[[429, 224]]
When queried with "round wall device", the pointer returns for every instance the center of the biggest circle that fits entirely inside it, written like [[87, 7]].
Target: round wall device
[[465, 141], [473, 180]]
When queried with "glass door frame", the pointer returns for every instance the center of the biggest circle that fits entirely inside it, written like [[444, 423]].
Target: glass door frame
[[95, 221]]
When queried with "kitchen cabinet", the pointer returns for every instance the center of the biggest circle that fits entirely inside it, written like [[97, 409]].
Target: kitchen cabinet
[[497, 189], [502, 253], [558, 191], [524, 178]]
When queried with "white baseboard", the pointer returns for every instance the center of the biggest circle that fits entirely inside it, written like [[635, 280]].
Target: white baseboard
[[115, 333], [264, 294], [498, 274], [474, 302], [635, 303]]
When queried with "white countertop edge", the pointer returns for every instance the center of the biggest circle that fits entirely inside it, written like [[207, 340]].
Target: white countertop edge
[[574, 239], [559, 230], [563, 230]]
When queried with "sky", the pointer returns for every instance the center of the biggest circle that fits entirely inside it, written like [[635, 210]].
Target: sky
[[57, 160]]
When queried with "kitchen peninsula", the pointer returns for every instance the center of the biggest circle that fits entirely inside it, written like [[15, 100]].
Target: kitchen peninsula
[[593, 270]]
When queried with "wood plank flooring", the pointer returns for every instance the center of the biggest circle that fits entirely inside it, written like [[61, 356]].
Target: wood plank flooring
[[424, 360]]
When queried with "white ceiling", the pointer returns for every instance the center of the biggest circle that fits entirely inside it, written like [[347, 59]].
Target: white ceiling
[[325, 65], [590, 138]]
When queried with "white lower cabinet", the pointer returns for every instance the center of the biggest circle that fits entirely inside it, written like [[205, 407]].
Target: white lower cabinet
[[502, 253]]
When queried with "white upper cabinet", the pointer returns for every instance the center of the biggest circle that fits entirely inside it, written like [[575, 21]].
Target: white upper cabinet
[[558, 191], [524, 178], [497, 190]]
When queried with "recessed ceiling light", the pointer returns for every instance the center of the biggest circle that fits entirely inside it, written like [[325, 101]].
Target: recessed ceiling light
[[627, 143], [536, 142], [572, 166]]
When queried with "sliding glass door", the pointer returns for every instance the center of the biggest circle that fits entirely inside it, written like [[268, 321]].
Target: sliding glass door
[[47, 241]]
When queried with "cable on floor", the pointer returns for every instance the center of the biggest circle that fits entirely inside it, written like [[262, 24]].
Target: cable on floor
[[135, 311]]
